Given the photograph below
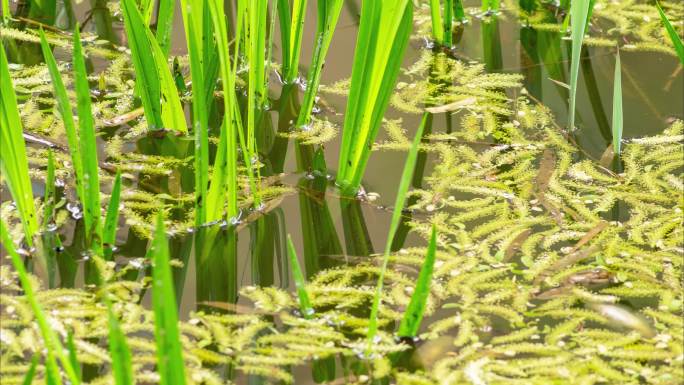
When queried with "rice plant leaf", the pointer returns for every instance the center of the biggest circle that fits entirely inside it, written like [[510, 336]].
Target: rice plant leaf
[[194, 36], [111, 221], [375, 69], [169, 351], [73, 354], [159, 95], [617, 106], [404, 184], [88, 148], [6, 14], [295, 35], [448, 22], [413, 315], [579, 15], [66, 113], [13, 160], [48, 197], [119, 351], [232, 119], [300, 282], [328, 14], [165, 25], [437, 24], [31, 372], [52, 344], [672, 32]]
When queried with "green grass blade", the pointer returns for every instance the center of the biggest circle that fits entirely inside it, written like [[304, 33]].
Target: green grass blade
[[194, 36], [169, 351], [285, 21], [73, 355], [48, 197], [88, 148], [67, 115], [375, 69], [300, 282], [13, 159], [165, 25], [383, 83], [413, 315], [459, 12], [448, 22], [52, 343], [256, 90], [672, 32], [295, 42], [111, 221], [6, 14], [152, 73], [579, 14], [617, 106], [119, 351], [404, 184], [31, 372], [437, 24], [328, 14]]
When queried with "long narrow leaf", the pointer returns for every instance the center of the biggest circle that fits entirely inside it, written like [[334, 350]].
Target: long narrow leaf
[[579, 14], [88, 148], [194, 36], [617, 106], [159, 95], [112, 217], [413, 315], [13, 160], [404, 184], [66, 113], [328, 14], [52, 343], [300, 283], [165, 25], [169, 351], [119, 351], [375, 69], [672, 32], [437, 24]]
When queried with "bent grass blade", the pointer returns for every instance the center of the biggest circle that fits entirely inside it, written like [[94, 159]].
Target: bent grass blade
[[404, 184], [672, 32]]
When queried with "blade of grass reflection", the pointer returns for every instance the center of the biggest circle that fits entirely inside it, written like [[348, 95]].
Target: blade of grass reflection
[[51, 341], [169, 351], [216, 270], [356, 237], [491, 44], [595, 96], [318, 228]]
